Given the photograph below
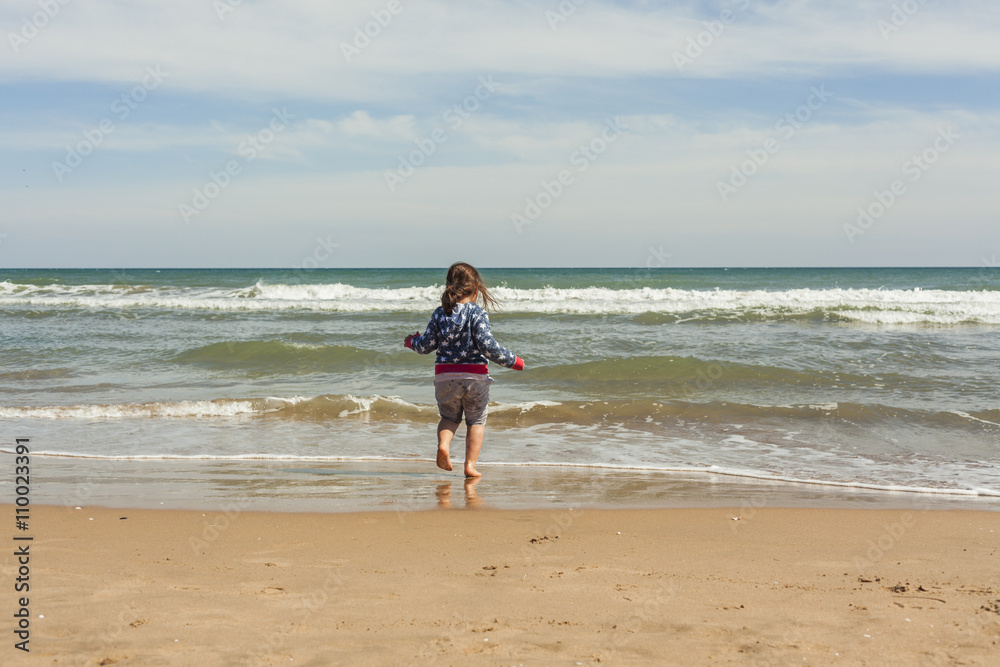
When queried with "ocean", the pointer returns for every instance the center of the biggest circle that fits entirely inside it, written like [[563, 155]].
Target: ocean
[[643, 387]]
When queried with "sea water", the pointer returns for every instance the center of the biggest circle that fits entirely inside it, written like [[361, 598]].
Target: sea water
[[176, 386]]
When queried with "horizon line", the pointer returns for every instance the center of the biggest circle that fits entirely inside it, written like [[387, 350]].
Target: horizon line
[[483, 267]]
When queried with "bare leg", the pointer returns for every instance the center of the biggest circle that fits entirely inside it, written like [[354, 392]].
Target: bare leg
[[446, 431], [472, 499], [444, 495], [473, 443]]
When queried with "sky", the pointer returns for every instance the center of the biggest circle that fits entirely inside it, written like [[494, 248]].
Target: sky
[[257, 133]]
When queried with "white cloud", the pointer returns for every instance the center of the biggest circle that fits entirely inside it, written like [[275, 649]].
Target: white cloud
[[360, 123], [639, 180], [327, 168], [274, 49]]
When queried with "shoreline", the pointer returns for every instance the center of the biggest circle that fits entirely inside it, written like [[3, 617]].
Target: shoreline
[[555, 586], [302, 486]]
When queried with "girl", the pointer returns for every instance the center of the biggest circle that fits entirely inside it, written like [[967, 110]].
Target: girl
[[460, 332]]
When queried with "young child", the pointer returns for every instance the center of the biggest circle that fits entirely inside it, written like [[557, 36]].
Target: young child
[[460, 332]]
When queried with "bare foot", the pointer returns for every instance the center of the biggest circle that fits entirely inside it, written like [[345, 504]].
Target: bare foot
[[470, 471], [443, 460]]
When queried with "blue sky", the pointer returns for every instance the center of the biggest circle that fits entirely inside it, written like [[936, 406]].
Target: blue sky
[[259, 133]]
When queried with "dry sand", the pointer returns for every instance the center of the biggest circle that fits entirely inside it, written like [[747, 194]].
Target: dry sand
[[778, 586]]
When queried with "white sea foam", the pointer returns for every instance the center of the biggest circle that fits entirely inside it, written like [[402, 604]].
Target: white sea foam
[[180, 409], [222, 407], [365, 403], [355, 405], [966, 415], [526, 406], [872, 306], [213, 408]]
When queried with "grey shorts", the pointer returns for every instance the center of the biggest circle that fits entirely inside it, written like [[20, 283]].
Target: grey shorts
[[457, 396]]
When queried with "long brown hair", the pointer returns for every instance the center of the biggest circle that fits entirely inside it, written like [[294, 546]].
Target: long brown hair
[[464, 281]]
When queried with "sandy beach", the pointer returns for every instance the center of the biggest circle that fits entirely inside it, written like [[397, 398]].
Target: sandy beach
[[460, 586]]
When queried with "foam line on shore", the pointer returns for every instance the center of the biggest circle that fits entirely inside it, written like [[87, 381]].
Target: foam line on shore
[[711, 469]]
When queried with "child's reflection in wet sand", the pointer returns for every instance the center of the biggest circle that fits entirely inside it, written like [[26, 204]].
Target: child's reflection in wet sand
[[472, 499]]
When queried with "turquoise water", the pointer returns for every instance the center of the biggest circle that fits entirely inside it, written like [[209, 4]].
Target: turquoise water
[[842, 378]]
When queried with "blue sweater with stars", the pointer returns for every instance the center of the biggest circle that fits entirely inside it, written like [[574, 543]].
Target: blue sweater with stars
[[464, 337]]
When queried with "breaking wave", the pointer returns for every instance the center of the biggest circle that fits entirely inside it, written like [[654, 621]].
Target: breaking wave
[[529, 413], [869, 306]]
